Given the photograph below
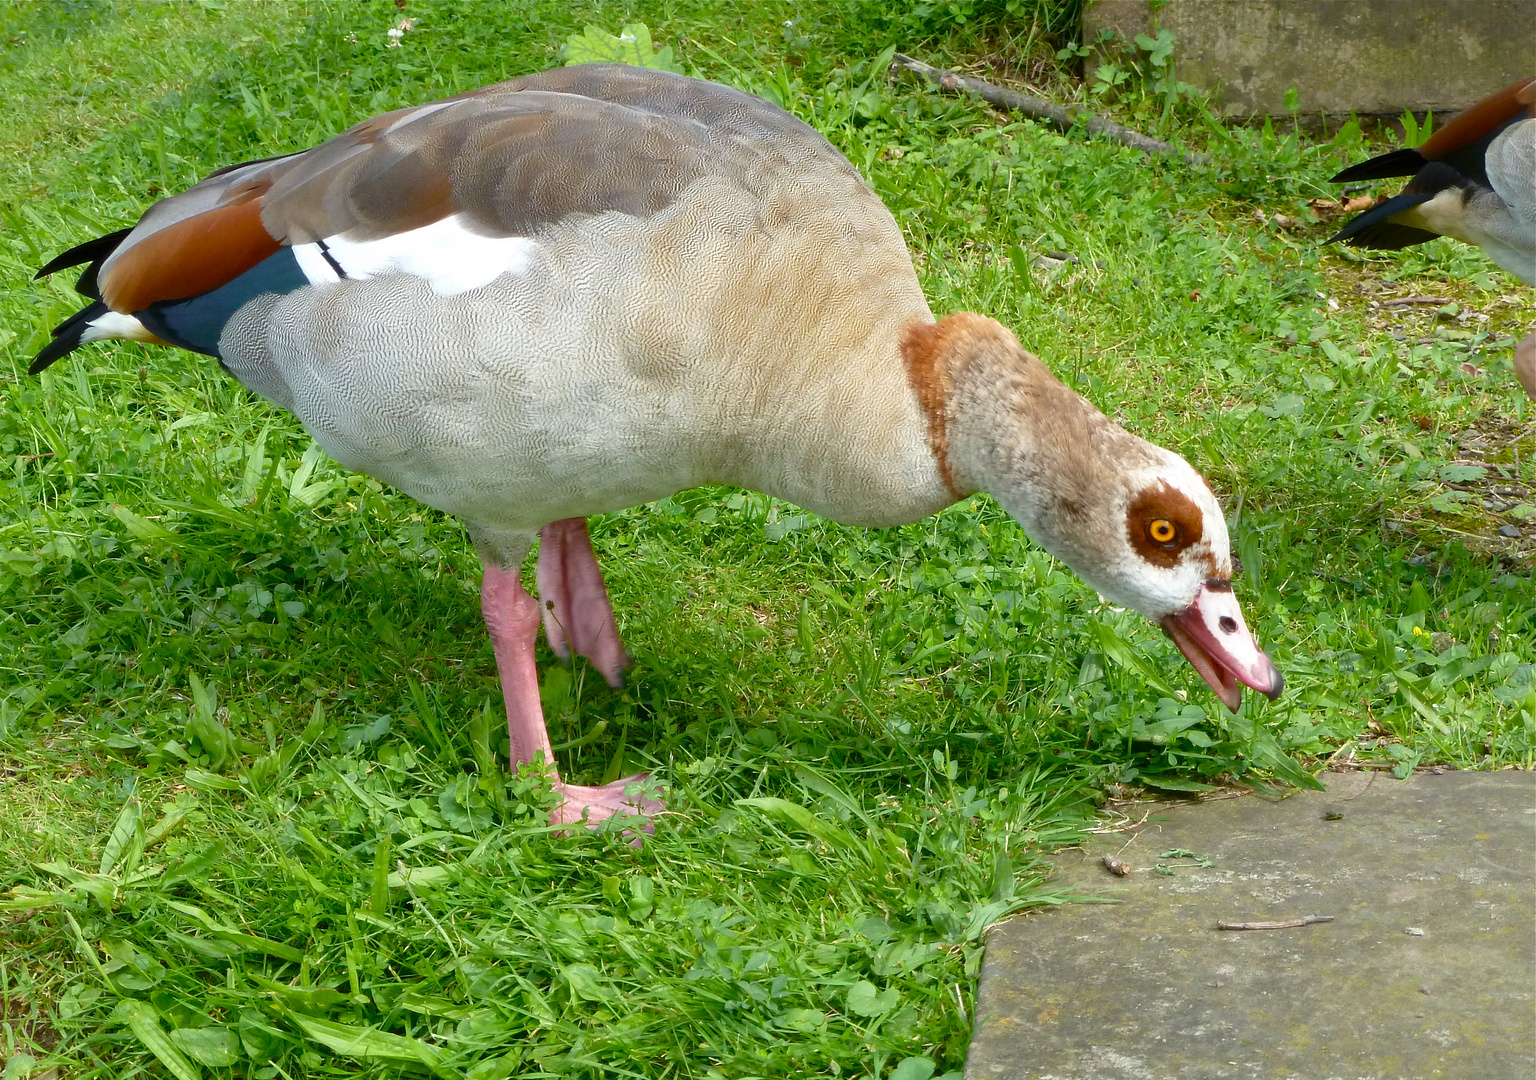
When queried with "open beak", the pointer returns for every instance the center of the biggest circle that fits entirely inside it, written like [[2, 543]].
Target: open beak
[[1214, 639]]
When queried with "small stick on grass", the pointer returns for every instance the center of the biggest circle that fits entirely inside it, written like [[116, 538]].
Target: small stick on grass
[[1279, 924], [1064, 117], [1401, 301]]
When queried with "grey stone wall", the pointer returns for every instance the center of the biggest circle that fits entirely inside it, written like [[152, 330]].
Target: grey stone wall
[[1362, 56]]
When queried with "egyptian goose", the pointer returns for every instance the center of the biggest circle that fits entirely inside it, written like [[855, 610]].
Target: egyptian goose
[[1474, 180], [585, 289]]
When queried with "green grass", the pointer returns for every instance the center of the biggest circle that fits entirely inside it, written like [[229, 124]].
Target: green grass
[[239, 688]]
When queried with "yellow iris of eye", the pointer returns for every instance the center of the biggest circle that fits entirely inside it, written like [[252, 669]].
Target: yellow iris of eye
[[1162, 531]]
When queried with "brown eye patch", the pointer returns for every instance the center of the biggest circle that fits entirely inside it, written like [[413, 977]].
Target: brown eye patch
[[1161, 522]]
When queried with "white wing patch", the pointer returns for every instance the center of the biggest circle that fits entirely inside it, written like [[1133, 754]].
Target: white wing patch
[[114, 324], [447, 255]]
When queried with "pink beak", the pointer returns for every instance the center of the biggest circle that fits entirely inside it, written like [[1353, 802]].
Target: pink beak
[[1214, 639]]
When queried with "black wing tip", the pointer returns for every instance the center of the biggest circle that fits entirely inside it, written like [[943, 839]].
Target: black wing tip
[[1373, 230], [62, 260], [1404, 162], [67, 337], [92, 252], [56, 349]]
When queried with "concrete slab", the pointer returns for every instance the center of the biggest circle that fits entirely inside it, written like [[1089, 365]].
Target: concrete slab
[[1365, 56], [1427, 971]]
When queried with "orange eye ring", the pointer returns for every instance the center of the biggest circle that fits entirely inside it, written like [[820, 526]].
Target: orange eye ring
[[1163, 531]]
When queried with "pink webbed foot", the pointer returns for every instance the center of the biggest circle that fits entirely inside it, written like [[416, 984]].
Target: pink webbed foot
[[574, 601], [594, 805]]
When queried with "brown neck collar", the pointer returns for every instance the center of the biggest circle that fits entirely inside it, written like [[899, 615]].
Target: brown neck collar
[[926, 351]]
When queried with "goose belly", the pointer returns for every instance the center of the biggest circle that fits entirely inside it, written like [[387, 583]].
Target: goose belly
[[504, 408]]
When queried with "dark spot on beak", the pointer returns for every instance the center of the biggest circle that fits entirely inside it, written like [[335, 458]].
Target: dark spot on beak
[[1228, 624]]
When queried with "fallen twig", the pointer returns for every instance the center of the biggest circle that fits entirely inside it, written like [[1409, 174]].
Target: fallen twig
[[1064, 117], [1278, 924], [1403, 301], [1116, 866], [1122, 826], [1116, 345], [1385, 766]]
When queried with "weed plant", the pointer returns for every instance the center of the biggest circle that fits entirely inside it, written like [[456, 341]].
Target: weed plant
[[255, 818]]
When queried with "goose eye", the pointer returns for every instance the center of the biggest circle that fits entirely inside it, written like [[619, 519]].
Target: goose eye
[[1162, 531]]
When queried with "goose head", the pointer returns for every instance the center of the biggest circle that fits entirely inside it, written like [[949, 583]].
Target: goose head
[[1134, 520]]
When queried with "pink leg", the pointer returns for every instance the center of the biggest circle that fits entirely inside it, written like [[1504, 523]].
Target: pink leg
[[1525, 363], [577, 614], [512, 617]]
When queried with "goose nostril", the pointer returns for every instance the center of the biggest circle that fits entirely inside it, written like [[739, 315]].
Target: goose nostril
[[1228, 624]]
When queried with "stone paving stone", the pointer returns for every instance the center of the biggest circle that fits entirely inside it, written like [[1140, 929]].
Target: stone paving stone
[[1340, 56], [1427, 971]]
